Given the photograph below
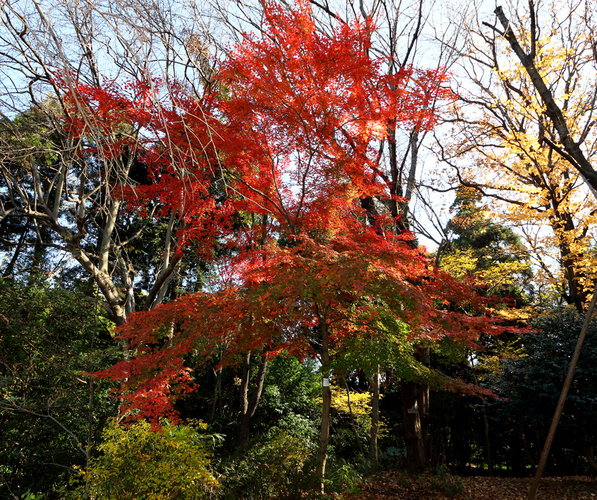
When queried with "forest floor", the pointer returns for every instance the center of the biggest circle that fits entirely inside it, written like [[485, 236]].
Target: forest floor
[[397, 486]]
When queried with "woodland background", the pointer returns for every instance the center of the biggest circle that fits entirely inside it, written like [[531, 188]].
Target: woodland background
[[212, 216]]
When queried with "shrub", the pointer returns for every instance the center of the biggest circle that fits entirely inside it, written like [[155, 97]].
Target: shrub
[[276, 466], [141, 463], [343, 476]]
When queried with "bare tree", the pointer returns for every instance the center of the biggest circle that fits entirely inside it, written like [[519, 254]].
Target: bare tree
[[58, 191]]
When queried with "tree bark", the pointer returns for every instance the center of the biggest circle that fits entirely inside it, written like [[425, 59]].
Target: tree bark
[[415, 413], [254, 402], [244, 386], [423, 404], [326, 395], [413, 430], [214, 404], [373, 452], [589, 453]]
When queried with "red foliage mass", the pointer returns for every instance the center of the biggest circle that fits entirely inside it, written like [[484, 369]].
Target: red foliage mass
[[287, 137]]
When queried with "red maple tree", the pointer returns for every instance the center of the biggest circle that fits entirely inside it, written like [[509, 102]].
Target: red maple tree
[[273, 161]]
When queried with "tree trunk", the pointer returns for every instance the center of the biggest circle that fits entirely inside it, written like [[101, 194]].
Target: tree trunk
[[217, 391], [525, 445], [589, 453], [486, 428], [415, 413], [254, 402], [244, 385], [488, 444], [423, 404], [326, 395], [413, 430], [373, 454]]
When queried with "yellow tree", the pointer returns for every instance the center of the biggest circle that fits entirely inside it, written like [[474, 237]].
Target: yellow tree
[[506, 144], [552, 56]]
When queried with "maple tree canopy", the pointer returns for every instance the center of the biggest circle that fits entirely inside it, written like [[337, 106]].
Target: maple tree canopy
[[272, 162]]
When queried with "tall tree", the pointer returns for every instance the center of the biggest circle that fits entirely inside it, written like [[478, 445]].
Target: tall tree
[[503, 122], [399, 39], [492, 253], [573, 137], [297, 140]]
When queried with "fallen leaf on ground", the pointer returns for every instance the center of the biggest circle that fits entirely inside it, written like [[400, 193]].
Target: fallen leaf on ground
[[397, 486]]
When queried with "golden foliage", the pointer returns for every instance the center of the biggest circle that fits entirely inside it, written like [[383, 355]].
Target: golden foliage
[[503, 140]]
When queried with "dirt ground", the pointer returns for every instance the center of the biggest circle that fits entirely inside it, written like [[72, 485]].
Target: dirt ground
[[394, 485]]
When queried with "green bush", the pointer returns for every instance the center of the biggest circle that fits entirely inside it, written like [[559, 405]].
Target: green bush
[[50, 339], [342, 476], [531, 384], [140, 463], [276, 466]]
